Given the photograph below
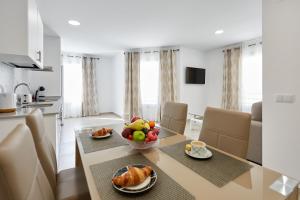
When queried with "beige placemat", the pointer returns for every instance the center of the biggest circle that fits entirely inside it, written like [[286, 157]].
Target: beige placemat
[[163, 133], [91, 145], [219, 170], [164, 189]]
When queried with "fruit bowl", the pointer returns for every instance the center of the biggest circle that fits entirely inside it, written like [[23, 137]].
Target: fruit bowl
[[141, 133], [143, 145]]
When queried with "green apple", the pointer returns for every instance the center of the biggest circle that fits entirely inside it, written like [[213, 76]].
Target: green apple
[[138, 136]]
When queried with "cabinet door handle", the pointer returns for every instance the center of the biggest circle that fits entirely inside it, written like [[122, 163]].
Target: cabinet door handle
[[39, 53]]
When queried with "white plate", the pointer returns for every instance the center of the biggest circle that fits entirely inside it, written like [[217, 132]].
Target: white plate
[[100, 137], [205, 156], [140, 186], [144, 186]]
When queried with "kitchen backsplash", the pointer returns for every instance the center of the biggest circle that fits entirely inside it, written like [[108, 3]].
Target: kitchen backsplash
[[9, 77]]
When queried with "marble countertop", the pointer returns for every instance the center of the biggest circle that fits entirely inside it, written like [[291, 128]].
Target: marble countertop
[[50, 107]]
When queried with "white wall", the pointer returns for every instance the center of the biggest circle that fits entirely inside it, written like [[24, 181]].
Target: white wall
[[119, 84], [105, 81], [6, 77], [52, 57], [196, 96], [281, 69], [192, 94], [9, 77], [214, 60]]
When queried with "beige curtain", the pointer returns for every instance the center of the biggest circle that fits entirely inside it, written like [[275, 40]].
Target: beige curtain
[[132, 85], [167, 78], [90, 96], [230, 97]]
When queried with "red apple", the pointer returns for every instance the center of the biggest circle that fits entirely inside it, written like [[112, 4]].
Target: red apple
[[126, 132], [134, 118], [130, 137], [152, 136]]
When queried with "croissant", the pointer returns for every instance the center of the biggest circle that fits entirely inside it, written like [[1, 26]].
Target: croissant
[[134, 176], [102, 132]]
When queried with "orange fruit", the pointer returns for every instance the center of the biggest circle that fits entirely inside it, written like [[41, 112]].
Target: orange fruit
[[151, 124]]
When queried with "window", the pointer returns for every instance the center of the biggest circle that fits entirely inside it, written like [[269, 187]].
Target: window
[[149, 83], [72, 86], [251, 75]]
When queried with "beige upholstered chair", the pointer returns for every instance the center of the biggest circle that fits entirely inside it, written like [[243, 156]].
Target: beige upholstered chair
[[21, 175], [226, 130], [68, 184], [174, 116]]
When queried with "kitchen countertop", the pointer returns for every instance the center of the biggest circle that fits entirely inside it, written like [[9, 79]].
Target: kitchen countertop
[[46, 110]]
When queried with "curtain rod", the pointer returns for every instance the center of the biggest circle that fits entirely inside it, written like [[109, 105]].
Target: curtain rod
[[82, 57], [236, 47], [250, 45], [156, 51]]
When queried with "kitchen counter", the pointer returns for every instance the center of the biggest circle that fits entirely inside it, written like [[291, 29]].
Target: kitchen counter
[[51, 109], [45, 107]]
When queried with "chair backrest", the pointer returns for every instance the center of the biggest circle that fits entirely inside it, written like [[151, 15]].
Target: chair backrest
[[174, 116], [44, 148], [256, 111], [20, 171], [226, 130]]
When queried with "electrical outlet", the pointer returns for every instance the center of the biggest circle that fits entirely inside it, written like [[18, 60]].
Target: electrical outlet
[[285, 98]]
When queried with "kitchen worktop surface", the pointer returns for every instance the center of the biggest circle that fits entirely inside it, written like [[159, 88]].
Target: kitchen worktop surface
[[49, 107]]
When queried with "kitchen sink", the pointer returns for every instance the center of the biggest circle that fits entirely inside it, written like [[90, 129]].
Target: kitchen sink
[[37, 105]]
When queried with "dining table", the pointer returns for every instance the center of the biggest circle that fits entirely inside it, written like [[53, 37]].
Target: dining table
[[179, 174]]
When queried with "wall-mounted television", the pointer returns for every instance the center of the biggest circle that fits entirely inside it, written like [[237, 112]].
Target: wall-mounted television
[[194, 75]]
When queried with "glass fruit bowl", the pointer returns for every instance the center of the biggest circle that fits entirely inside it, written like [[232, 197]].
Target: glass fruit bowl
[[142, 144], [140, 133]]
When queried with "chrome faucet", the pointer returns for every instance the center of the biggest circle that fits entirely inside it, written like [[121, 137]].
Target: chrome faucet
[[25, 84], [19, 99]]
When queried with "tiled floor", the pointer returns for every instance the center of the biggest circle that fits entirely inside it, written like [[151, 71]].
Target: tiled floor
[[67, 145], [67, 139]]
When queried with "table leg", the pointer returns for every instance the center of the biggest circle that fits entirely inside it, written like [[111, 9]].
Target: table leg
[[78, 162]]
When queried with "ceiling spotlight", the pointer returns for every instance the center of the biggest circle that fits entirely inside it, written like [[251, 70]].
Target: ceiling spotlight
[[219, 32], [74, 22]]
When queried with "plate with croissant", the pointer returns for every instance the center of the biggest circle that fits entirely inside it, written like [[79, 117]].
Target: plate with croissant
[[134, 178], [101, 133]]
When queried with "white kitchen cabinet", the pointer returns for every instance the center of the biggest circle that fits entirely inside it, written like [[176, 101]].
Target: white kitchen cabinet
[[40, 40], [21, 36]]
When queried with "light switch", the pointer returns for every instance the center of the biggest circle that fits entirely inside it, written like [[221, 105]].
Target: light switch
[[285, 98]]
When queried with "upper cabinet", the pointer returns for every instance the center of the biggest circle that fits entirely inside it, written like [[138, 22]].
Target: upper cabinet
[[21, 36]]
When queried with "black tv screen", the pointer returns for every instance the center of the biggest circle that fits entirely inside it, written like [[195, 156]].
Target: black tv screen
[[194, 75]]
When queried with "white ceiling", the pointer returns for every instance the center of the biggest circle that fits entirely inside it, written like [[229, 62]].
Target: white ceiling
[[114, 25]]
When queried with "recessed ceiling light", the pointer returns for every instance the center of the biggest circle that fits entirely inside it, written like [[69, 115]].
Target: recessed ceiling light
[[74, 22], [219, 32]]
